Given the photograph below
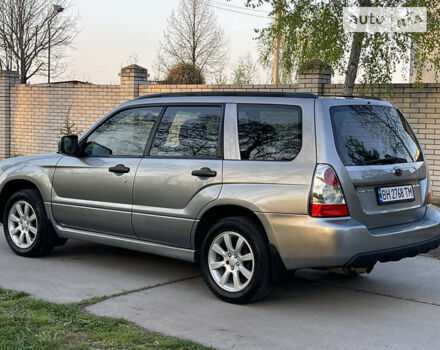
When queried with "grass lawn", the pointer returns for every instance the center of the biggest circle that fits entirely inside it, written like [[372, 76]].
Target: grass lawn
[[27, 323]]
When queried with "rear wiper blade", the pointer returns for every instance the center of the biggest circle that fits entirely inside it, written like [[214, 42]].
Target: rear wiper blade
[[388, 160]]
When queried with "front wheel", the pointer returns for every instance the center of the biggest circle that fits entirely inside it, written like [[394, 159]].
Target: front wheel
[[26, 226], [235, 260]]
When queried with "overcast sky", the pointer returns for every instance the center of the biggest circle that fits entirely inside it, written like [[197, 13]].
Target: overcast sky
[[113, 30], [110, 31]]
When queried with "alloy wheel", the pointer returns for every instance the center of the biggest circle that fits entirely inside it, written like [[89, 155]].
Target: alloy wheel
[[22, 224], [231, 261]]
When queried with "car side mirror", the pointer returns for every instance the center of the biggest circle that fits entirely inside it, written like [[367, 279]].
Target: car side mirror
[[68, 145]]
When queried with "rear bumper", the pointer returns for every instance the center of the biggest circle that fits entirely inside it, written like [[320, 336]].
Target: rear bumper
[[303, 241], [393, 254]]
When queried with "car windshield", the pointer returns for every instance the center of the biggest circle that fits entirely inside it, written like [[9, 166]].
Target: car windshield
[[372, 135]]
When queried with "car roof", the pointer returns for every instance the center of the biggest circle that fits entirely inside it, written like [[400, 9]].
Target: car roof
[[252, 94], [260, 97], [231, 94]]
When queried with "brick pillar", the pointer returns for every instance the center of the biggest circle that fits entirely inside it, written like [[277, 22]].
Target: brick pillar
[[7, 80], [313, 80], [131, 77]]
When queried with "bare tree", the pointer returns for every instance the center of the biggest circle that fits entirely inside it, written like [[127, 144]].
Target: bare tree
[[24, 35], [193, 36], [245, 71]]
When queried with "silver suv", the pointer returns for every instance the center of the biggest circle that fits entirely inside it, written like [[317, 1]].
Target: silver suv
[[245, 184]]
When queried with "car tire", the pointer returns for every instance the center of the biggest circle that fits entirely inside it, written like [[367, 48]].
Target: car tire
[[26, 226], [236, 269]]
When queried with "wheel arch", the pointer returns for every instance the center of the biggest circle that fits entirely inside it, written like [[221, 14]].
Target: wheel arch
[[218, 212], [11, 187]]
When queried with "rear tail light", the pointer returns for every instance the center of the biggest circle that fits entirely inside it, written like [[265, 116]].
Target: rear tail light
[[327, 198], [428, 198]]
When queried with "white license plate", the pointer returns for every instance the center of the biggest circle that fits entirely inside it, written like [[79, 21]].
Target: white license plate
[[387, 195]]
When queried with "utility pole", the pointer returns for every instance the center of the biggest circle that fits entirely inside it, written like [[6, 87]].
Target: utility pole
[[276, 49], [56, 10], [48, 50]]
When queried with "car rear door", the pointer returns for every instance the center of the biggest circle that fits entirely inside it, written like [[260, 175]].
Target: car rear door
[[181, 173], [380, 162]]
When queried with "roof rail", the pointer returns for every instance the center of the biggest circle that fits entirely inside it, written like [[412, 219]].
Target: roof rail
[[232, 93], [355, 96]]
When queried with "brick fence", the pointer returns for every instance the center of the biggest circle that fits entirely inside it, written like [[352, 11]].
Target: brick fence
[[31, 116]]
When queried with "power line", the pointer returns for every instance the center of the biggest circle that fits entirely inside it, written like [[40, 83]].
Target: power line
[[231, 10], [235, 11], [218, 3]]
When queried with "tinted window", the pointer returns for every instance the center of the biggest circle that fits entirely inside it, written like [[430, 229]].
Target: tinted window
[[191, 132], [269, 132], [368, 135], [124, 134]]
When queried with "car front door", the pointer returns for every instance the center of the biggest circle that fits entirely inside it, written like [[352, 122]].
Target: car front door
[[180, 175], [93, 191]]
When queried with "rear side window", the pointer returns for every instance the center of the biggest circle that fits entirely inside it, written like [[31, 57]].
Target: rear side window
[[189, 132], [368, 135], [269, 132]]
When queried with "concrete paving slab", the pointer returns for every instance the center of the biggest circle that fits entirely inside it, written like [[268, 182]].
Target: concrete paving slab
[[303, 313], [82, 270], [414, 278]]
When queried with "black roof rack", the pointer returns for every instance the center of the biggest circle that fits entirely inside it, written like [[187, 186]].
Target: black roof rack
[[232, 93], [355, 96]]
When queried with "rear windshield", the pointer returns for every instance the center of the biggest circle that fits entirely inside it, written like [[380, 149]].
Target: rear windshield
[[368, 135]]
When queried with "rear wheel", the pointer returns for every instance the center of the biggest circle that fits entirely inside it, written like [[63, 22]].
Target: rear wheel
[[235, 260], [26, 226]]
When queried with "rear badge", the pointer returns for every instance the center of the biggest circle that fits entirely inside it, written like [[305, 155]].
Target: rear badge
[[398, 172]]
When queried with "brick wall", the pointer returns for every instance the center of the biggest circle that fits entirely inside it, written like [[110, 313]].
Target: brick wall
[[39, 112], [132, 77], [308, 81], [7, 81], [34, 114], [156, 89]]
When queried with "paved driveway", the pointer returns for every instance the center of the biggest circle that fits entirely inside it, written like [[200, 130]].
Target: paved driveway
[[79, 271], [397, 306]]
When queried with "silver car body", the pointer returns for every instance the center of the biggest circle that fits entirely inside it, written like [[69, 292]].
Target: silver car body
[[157, 206]]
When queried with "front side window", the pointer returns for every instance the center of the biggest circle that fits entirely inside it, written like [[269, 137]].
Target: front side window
[[269, 132], [124, 134], [372, 135], [189, 132]]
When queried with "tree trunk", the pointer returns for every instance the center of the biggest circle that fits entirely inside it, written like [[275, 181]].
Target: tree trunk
[[353, 63], [355, 55], [23, 72], [194, 45]]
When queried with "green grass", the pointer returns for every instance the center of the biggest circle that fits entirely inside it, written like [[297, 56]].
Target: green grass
[[27, 323]]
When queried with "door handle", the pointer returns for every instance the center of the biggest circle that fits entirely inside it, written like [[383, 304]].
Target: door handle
[[119, 169], [204, 172]]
